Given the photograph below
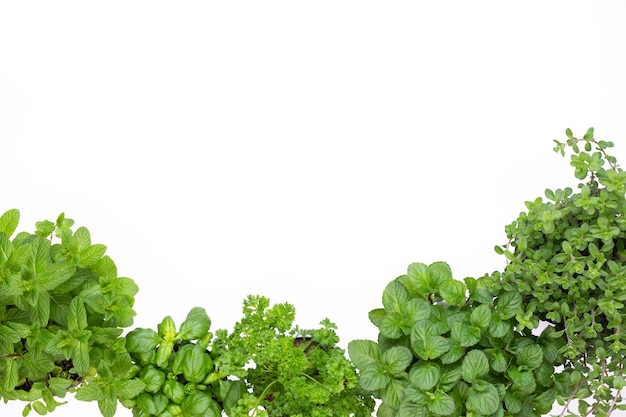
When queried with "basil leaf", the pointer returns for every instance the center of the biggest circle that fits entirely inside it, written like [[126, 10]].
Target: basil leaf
[[196, 363], [174, 390], [146, 404], [142, 340], [153, 378], [230, 392], [196, 325], [167, 329], [196, 404], [163, 353]]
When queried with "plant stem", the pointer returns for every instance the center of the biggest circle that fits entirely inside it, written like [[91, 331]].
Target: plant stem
[[571, 398]]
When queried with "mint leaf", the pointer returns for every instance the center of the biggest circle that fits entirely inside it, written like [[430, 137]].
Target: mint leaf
[[89, 392], [425, 375], [441, 404], [396, 359], [483, 398], [91, 254], [453, 291], [364, 353], [508, 304], [9, 221], [475, 365], [529, 357], [76, 315], [394, 296], [59, 386]]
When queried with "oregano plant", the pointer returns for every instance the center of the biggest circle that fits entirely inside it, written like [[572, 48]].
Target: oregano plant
[[62, 310], [566, 256]]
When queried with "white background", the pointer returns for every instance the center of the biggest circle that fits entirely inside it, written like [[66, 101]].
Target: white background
[[306, 151]]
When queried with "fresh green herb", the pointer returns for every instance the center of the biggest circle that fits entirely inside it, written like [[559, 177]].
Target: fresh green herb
[[176, 370], [452, 348], [567, 257], [549, 328], [289, 371], [62, 310]]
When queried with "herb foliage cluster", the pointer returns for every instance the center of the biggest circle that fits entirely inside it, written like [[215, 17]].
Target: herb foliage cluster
[[547, 328], [452, 348], [63, 309], [567, 258]]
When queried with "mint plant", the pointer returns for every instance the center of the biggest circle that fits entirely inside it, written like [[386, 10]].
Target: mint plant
[[62, 310], [567, 258], [452, 348]]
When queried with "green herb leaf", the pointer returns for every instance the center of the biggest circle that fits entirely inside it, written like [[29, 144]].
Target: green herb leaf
[[529, 357], [417, 280], [59, 386], [196, 324], [475, 366], [396, 359], [142, 340], [364, 353], [453, 291], [483, 398], [394, 296], [196, 404], [90, 255], [9, 221], [373, 377], [76, 315], [441, 404], [425, 375], [482, 316], [167, 329], [508, 304]]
